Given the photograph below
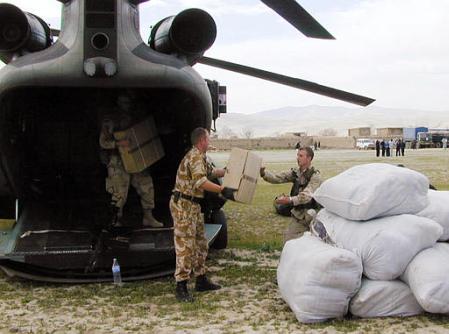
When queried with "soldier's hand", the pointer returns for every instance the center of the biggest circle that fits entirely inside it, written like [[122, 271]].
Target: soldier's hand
[[124, 143], [262, 171], [283, 200], [220, 172], [228, 193]]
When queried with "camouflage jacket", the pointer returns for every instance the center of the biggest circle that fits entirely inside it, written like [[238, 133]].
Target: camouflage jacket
[[192, 173], [305, 182]]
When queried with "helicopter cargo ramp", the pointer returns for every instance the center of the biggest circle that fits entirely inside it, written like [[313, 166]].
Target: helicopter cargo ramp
[[40, 250]]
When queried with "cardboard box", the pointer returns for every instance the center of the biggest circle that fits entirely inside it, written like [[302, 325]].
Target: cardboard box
[[242, 173], [7, 224], [145, 146]]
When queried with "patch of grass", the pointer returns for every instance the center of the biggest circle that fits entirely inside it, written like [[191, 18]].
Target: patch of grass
[[269, 247], [257, 226], [438, 319], [252, 275], [227, 255], [249, 291]]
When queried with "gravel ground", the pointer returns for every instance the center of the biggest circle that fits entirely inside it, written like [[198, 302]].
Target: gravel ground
[[249, 301]]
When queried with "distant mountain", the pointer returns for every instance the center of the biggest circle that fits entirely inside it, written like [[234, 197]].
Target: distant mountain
[[312, 119]]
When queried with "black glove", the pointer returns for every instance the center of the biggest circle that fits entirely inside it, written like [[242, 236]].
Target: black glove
[[228, 193]]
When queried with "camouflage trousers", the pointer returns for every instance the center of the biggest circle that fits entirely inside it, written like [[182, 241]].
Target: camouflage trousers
[[118, 181], [299, 224], [190, 241]]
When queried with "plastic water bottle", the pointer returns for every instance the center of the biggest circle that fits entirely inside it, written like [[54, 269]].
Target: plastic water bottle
[[116, 274]]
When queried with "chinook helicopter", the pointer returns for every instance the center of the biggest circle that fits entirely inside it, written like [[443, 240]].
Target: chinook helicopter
[[54, 209]]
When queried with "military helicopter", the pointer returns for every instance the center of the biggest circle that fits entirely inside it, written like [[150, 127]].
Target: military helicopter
[[52, 180]]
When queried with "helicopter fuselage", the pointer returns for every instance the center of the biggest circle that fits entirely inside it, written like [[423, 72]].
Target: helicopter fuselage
[[51, 105]]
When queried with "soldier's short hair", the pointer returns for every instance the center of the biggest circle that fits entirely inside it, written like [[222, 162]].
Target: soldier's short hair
[[308, 150], [197, 134]]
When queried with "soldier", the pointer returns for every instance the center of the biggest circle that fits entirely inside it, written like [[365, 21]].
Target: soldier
[[190, 242], [118, 180], [305, 179]]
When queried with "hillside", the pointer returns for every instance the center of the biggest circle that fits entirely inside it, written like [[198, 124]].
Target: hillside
[[312, 119]]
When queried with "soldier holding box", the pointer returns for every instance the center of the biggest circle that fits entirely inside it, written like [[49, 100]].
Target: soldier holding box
[[190, 242], [118, 180]]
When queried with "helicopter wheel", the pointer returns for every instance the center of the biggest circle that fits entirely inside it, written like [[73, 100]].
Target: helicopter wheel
[[219, 217]]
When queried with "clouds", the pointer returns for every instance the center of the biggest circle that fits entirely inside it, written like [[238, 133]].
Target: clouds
[[50, 10], [404, 49], [392, 50], [214, 7], [396, 51]]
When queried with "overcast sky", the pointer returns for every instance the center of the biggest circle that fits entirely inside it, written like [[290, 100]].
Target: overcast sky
[[396, 51]]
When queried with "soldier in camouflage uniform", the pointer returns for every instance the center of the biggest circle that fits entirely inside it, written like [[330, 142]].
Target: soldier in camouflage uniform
[[306, 180], [190, 242], [118, 180]]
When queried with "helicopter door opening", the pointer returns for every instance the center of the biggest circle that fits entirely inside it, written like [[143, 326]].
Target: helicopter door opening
[[51, 155], [52, 163]]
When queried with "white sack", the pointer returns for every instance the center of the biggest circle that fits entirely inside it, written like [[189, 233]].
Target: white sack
[[367, 191], [438, 210], [384, 299], [428, 278], [317, 280], [386, 245]]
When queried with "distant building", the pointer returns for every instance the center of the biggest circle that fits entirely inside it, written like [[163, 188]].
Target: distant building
[[389, 132], [438, 130], [359, 132]]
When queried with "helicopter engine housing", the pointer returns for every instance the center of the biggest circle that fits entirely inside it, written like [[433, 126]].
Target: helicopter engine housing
[[21, 32], [189, 33]]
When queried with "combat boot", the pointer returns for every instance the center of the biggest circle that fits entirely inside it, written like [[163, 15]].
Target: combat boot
[[182, 293], [203, 284], [116, 216], [150, 221]]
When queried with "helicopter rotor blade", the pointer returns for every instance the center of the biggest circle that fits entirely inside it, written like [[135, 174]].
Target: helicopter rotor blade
[[288, 81], [298, 17]]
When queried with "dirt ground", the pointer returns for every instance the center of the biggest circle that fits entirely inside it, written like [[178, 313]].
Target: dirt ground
[[249, 301]]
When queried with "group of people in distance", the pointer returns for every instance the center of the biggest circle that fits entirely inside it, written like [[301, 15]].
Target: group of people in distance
[[389, 147]]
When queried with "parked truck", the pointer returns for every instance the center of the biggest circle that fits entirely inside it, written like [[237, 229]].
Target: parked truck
[[411, 134], [432, 139]]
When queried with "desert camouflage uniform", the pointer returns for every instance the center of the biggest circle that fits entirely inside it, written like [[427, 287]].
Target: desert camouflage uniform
[[118, 180], [190, 241], [301, 202]]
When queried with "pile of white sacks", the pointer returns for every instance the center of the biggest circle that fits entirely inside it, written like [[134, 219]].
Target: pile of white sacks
[[385, 253]]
